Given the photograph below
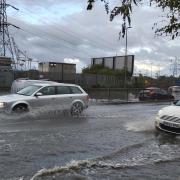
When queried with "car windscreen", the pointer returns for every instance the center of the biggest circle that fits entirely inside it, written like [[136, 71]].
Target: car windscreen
[[28, 91], [176, 103]]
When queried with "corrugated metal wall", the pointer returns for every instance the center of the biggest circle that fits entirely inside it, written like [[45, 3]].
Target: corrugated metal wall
[[6, 79]]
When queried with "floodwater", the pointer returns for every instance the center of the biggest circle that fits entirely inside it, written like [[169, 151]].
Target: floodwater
[[107, 142]]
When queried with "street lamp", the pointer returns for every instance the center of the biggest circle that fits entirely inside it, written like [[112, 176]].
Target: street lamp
[[125, 64], [151, 69]]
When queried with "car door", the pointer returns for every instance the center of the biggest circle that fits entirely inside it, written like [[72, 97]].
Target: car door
[[47, 99], [77, 94], [63, 97]]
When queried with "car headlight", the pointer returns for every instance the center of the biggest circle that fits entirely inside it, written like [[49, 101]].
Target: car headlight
[[2, 104], [158, 116]]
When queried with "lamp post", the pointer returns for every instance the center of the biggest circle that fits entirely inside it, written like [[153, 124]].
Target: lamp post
[[151, 69], [125, 64]]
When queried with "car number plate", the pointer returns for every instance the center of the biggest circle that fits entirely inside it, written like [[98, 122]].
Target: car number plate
[[171, 124]]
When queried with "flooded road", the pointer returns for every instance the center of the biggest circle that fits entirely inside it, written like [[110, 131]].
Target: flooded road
[[106, 142]]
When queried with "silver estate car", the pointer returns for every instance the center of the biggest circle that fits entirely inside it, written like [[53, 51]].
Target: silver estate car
[[53, 95]]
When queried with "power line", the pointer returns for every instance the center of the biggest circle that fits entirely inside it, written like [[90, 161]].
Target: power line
[[72, 34], [57, 37], [68, 42], [47, 39]]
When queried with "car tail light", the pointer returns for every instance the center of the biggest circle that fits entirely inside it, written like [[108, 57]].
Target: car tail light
[[151, 93]]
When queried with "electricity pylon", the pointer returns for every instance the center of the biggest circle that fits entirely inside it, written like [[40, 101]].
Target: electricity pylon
[[175, 67], [21, 57], [6, 49]]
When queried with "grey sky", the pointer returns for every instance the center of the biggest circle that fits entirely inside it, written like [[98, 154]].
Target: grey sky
[[58, 30]]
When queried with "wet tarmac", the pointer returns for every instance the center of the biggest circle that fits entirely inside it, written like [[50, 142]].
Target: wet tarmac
[[106, 142]]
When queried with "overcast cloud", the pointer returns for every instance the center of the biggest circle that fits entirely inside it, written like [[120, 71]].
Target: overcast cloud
[[63, 31]]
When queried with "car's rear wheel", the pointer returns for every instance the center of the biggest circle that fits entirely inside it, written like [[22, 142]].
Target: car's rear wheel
[[21, 108], [76, 108]]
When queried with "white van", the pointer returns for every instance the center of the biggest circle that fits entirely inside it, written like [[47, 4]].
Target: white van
[[21, 83], [175, 91]]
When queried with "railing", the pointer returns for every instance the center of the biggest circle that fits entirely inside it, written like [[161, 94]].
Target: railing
[[114, 93], [126, 94]]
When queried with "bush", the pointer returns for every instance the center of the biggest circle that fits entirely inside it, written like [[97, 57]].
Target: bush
[[100, 69]]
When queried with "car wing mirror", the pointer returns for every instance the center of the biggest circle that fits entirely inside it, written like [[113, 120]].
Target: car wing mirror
[[38, 94], [174, 102]]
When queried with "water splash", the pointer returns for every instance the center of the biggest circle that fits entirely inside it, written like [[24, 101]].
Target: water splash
[[43, 112], [140, 126], [146, 153]]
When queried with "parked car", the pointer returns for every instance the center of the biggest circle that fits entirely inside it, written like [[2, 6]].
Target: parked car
[[153, 93], [53, 95], [168, 119]]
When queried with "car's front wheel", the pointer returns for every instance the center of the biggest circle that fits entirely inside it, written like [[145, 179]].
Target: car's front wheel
[[77, 108], [21, 108]]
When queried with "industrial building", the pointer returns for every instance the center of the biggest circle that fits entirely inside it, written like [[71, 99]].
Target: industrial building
[[60, 72], [5, 64], [116, 62], [6, 72]]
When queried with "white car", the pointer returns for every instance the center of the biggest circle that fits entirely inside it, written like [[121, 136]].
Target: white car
[[168, 119], [52, 95]]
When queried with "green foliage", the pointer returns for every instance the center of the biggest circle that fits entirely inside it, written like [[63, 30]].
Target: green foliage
[[99, 69], [165, 82], [171, 19], [170, 24], [161, 82]]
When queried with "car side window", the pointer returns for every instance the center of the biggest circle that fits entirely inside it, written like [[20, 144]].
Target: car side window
[[63, 90], [49, 90], [164, 92], [75, 90]]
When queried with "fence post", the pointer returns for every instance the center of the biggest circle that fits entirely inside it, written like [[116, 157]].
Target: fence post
[[108, 93], [127, 90]]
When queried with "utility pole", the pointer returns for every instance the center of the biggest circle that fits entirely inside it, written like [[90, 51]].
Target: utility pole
[[5, 40], [159, 69], [125, 63], [151, 70]]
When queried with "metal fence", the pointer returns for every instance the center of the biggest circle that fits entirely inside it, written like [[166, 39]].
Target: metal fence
[[98, 80], [127, 94], [114, 93], [6, 78]]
